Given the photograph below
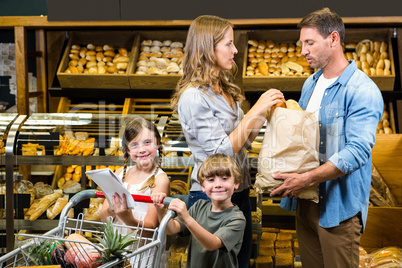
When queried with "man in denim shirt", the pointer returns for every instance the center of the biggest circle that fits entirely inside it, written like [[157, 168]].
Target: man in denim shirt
[[348, 105]]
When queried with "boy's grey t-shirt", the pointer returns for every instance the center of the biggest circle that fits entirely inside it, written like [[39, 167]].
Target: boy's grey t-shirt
[[228, 225]]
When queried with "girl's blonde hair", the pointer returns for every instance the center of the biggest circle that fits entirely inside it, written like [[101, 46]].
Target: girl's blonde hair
[[132, 129], [200, 62], [219, 165]]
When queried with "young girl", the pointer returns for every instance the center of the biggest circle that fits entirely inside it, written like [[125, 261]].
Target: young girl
[[208, 104], [142, 143]]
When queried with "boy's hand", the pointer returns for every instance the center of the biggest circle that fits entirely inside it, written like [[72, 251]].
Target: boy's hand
[[157, 198], [180, 208]]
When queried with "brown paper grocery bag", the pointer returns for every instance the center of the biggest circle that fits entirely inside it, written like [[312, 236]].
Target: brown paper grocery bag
[[289, 146]]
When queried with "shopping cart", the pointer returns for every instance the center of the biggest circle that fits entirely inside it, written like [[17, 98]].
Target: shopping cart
[[34, 250]]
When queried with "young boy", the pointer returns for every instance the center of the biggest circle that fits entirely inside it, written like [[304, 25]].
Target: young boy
[[216, 226]]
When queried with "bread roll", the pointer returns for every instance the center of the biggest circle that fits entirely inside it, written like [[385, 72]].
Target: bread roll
[[74, 56], [83, 52], [387, 64], [90, 58], [91, 64], [261, 44], [263, 67], [380, 64], [74, 70], [166, 43], [377, 46], [383, 47], [99, 56], [292, 104], [82, 62], [173, 68], [93, 70], [283, 47], [271, 43], [77, 47], [155, 71], [379, 71], [109, 53], [282, 104], [250, 73], [350, 45], [252, 49], [294, 66], [122, 51], [108, 48], [121, 59], [122, 65], [146, 42], [387, 130], [90, 53], [176, 45]]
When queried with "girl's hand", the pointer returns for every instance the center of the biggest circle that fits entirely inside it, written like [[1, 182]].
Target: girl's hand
[[157, 198], [120, 207]]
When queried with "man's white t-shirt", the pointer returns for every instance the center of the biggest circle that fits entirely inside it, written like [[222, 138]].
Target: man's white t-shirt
[[314, 103]]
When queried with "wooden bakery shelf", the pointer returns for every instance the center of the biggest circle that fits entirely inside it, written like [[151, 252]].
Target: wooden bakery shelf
[[384, 223], [102, 81], [258, 83], [295, 83], [164, 82]]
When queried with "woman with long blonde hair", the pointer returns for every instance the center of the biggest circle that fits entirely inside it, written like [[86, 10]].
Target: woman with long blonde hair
[[208, 104]]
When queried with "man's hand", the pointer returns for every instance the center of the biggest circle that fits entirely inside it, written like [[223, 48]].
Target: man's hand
[[293, 184]]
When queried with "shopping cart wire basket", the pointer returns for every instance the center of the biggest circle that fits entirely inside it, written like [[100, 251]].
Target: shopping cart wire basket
[[53, 248]]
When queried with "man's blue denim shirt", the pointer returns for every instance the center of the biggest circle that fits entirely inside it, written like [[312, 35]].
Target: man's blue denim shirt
[[349, 114]]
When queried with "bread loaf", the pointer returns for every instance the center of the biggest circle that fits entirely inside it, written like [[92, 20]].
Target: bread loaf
[[292, 104], [44, 204], [71, 187], [56, 209], [263, 67]]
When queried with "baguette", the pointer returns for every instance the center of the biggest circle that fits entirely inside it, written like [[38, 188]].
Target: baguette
[[44, 204], [56, 208], [32, 208]]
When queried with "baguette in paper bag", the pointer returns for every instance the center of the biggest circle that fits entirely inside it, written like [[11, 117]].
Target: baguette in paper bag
[[289, 146]]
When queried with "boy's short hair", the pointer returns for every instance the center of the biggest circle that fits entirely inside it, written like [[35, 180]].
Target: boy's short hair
[[219, 165]]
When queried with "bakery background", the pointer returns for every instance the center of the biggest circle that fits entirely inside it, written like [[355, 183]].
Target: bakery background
[[272, 225]]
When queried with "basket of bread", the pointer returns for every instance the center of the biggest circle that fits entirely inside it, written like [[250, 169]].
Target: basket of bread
[[273, 59], [96, 59], [158, 57]]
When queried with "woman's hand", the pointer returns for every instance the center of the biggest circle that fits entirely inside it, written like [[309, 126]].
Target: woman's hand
[[267, 100]]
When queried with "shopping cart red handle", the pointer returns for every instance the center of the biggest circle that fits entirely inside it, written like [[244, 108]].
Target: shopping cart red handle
[[140, 198]]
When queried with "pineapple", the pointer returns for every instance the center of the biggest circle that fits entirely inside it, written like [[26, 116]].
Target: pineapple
[[112, 243]]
